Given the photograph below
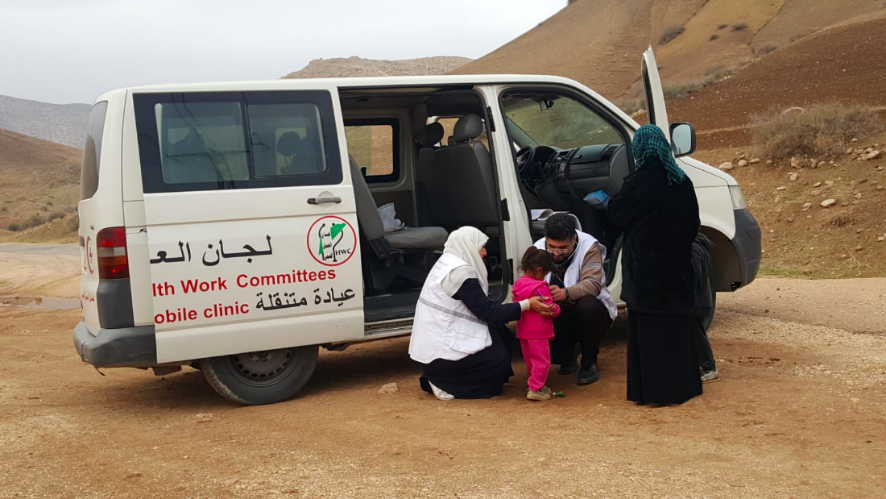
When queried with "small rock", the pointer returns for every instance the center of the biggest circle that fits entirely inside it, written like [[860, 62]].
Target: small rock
[[859, 231], [857, 195], [795, 163], [743, 162], [862, 181], [881, 239], [793, 177], [813, 163], [827, 203], [727, 166], [768, 161], [844, 256], [754, 161], [790, 219], [871, 155], [849, 151], [859, 248], [855, 400], [807, 206], [844, 203], [781, 188], [817, 184], [815, 192], [388, 389], [854, 140], [828, 183]]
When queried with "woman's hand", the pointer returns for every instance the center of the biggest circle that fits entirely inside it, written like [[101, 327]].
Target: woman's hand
[[539, 305]]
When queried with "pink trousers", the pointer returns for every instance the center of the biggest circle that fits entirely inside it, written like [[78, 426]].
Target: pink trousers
[[537, 354]]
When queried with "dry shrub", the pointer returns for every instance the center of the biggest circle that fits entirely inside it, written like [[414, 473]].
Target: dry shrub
[[670, 34], [631, 106], [765, 49], [739, 27], [841, 220], [712, 75], [823, 130], [713, 37]]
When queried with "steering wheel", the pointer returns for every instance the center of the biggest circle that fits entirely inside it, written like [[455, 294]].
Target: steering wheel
[[525, 157]]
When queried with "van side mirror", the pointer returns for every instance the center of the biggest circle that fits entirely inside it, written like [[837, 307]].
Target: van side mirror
[[682, 139]]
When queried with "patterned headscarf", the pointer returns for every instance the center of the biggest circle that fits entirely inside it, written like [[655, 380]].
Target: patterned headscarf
[[651, 145]]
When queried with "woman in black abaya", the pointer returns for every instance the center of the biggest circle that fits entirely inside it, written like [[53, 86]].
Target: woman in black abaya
[[658, 210]]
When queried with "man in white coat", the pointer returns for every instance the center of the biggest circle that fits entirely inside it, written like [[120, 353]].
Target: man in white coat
[[579, 286]]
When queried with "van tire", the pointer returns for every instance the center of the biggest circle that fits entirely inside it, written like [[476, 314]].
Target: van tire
[[709, 319], [258, 378]]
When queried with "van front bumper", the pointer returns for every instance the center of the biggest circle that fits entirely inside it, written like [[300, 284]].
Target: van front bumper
[[123, 347], [747, 242]]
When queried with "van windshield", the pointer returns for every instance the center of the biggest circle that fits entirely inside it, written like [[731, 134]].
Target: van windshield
[[558, 121]]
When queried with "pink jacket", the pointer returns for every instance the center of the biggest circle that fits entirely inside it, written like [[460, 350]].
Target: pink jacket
[[532, 326]]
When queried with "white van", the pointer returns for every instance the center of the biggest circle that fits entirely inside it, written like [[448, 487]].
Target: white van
[[234, 227]]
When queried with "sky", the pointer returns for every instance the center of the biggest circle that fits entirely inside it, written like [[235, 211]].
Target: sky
[[66, 51]]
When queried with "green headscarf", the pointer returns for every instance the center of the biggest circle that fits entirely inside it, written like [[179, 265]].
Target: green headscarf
[[650, 145]]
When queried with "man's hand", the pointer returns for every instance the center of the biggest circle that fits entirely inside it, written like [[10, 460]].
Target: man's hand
[[538, 305], [558, 293]]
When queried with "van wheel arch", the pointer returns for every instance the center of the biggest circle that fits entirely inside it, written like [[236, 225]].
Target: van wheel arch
[[727, 265]]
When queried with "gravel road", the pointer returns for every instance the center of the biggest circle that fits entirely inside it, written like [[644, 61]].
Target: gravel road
[[800, 412]]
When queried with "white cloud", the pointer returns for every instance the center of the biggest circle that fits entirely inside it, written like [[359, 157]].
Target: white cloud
[[72, 51]]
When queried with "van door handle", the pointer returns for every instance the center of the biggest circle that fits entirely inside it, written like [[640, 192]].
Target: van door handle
[[330, 199]]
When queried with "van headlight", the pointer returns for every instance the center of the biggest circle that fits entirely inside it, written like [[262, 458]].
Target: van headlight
[[738, 202]]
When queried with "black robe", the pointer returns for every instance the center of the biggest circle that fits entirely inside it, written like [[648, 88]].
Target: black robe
[[660, 223], [483, 374]]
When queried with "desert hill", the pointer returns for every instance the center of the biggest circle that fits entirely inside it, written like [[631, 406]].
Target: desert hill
[[842, 64], [64, 124], [39, 182], [599, 42], [357, 66]]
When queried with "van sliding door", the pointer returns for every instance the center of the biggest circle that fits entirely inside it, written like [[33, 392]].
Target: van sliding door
[[250, 219]]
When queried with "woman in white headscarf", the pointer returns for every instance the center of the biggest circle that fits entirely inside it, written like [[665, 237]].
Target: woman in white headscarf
[[458, 331]]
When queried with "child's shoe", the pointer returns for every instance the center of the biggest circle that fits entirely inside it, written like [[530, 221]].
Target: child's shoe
[[539, 395]]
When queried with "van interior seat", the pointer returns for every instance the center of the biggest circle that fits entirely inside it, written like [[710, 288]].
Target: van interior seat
[[461, 185], [417, 238], [426, 141]]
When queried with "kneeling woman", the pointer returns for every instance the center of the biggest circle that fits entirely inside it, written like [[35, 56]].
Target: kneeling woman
[[458, 331]]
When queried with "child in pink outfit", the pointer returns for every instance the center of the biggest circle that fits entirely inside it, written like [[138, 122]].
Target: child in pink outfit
[[534, 331]]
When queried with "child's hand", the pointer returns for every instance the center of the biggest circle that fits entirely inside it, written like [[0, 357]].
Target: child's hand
[[537, 304]]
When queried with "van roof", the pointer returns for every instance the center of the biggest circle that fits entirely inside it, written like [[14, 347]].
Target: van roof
[[363, 82]]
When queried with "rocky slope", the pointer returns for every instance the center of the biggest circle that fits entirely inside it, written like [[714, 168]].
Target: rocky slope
[[64, 124], [357, 66]]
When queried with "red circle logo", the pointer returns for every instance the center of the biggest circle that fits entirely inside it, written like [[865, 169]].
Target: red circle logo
[[332, 241]]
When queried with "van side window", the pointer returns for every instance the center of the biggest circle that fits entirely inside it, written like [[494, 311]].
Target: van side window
[[236, 140], [375, 145], [92, 151]]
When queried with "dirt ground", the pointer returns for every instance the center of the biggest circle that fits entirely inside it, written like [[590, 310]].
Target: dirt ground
[[800, 412]]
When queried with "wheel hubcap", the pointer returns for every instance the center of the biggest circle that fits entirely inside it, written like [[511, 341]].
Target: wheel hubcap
[[262, 368]]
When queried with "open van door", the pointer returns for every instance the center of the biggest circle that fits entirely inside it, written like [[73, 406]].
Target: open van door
[[655, 100], [680, 135]]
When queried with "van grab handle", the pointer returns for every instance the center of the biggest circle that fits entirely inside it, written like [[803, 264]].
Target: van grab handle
[[331, 199]]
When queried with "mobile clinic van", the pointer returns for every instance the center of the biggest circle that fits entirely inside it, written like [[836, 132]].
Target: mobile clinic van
[[234, 227]]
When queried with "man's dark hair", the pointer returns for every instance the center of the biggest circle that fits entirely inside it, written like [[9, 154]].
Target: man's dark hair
[[535, 258], [560, 227]]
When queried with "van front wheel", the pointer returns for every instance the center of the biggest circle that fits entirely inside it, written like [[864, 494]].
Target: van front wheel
[[257, 378]]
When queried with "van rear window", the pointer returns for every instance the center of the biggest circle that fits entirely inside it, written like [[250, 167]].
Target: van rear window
[[212, 141], [92, 151]]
